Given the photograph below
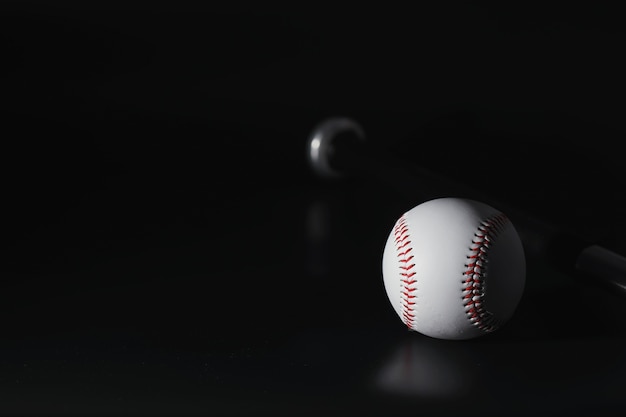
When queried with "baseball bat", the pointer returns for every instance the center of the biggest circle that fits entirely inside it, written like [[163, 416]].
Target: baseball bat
[[337, 148]]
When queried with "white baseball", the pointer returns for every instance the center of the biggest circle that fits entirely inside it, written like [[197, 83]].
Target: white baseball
[[454, 268]]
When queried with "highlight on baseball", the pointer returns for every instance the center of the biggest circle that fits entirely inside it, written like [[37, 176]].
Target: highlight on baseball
[[454, 268]]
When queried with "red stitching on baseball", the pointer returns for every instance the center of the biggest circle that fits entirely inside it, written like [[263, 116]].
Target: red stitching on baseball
[[407, 282], [476, 272]]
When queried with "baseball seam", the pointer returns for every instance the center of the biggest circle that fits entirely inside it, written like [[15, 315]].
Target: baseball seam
[[408, 282], [476, 271]]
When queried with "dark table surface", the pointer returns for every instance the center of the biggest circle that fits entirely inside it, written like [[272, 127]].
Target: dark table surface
[[167, 250]]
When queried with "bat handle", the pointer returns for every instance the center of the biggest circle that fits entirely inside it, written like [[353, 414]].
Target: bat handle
[[332, 147], [337, 148]]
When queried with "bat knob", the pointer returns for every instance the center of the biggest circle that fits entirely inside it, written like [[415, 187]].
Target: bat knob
[[330, 145]]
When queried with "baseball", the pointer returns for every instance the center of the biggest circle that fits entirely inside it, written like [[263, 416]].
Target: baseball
[[454, 268]]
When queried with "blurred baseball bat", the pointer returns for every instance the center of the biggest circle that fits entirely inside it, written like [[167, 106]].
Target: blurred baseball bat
[[337, 148]]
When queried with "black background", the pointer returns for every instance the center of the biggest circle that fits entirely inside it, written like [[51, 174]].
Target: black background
[[102, 92], [163, 251]]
